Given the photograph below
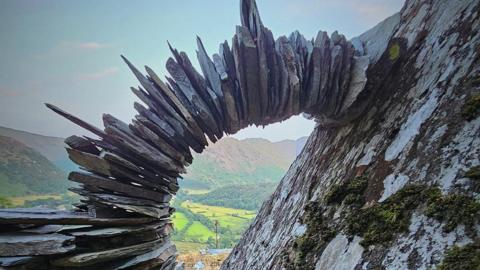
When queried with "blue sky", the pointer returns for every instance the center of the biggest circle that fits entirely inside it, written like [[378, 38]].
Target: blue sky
[[68, 52]]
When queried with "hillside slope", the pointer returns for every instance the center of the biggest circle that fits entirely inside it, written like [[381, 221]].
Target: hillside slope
[[24, 171], [232, 161], [53, 148]]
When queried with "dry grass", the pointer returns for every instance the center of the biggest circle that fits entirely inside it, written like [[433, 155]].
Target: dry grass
[[211, 262]]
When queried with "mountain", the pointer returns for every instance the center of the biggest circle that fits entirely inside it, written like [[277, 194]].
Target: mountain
[[24, 171], [236, 162], [53, 148]]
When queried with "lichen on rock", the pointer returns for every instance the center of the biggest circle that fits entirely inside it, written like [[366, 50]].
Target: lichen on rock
[[394, 52]]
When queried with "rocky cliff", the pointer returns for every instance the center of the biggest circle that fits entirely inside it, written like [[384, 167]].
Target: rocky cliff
[[397, 188]]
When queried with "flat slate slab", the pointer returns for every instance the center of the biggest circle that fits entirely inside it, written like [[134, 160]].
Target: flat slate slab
[[47, 216], [30, 244]]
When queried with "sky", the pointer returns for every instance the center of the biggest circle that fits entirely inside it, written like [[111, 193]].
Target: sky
[[68, 52]]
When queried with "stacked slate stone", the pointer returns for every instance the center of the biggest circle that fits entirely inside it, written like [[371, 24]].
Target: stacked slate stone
[[129, 172]]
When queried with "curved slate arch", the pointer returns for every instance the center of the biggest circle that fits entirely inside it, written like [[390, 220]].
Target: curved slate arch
[[130, 172]]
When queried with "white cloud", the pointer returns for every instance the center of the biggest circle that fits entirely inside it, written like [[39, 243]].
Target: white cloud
[[101, 74], [91, 45], [69, 47], [7, 92]]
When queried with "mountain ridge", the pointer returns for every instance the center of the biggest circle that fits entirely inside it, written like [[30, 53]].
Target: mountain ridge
[[51, 147]]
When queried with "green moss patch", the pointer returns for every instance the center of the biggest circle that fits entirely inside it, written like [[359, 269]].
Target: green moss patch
[[394, 52], [380, 223], [453, 210], [471, 108], [351, 192], [473, 173], [314, 240], [460, 258]]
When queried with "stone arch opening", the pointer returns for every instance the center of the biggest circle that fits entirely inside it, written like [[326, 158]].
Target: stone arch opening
[[228, 182]]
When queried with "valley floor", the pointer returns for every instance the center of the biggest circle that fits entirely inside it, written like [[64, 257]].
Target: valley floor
[[195, 226]]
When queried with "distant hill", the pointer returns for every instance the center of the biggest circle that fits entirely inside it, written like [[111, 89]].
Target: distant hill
[[24, 171], [53, 148], [236, 162]]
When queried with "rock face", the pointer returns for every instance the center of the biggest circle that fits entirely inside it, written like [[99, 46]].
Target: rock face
[[396, 188]]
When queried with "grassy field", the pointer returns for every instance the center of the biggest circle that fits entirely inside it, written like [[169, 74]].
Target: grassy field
[[193, 234], [19, 201], [179, 221], [236, 219], [199, 231]]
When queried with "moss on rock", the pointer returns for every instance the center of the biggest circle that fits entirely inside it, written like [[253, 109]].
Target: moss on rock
[[460, 258], [473, 173], [314, 240], [471, 108], [453, 210], [351, 192], [380, 223]]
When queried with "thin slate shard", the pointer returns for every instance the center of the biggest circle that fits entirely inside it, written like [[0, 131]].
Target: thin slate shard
[[212, 79], [192, 99], [197, 83], [128, 175], [178, 105]]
